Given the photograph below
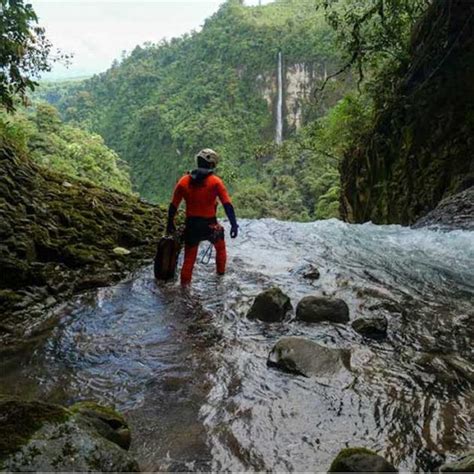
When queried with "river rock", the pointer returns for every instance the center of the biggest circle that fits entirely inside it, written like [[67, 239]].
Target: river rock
[[465, 463], [311, 273], [316, 309], [304, 357], [374, 327], [360, 460], [36, 436], [270, 306]]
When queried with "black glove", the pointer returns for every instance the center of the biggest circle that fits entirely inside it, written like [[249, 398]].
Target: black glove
[[170, 227], [234, 228]]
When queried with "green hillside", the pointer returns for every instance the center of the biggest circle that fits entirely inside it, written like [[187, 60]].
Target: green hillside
[[164, 102], [62, 147]]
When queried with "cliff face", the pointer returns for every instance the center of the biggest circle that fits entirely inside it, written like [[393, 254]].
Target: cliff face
[[421, 147], [59, 236], [299, 82]]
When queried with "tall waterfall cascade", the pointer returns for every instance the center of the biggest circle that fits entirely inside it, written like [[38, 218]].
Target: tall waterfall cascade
[[279, 120]]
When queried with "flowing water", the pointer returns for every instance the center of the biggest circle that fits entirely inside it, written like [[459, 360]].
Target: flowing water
[[189, 370]]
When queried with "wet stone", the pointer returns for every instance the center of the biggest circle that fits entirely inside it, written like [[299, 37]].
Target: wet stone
[[317, 309], [304, 357], [312, 273], [374, 327], [270, 306], [360, 460]]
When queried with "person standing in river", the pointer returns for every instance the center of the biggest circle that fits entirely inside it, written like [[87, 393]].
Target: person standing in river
[[200, 190]]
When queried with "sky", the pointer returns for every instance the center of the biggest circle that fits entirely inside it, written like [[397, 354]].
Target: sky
[[96, 32]]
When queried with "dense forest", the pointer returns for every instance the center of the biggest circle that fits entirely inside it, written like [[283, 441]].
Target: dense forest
[[159, 105]]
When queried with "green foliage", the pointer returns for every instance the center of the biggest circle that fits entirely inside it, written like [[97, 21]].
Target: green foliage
[[375, 36], [300, 179], [65, 148], [24, 51]]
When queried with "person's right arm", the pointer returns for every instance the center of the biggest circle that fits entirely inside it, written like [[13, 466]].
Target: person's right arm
[[173, 207]]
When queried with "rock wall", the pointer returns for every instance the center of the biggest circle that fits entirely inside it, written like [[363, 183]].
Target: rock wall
[[421, 147], [299, 81], [59, 236]]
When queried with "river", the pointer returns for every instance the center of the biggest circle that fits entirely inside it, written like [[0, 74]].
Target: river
[[189, 370]]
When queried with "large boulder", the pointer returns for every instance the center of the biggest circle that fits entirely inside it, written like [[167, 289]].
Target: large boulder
[[465, 463], [360, 460], [316, 309], [36, 436], [374, 327], [304, 357], [270, 306]]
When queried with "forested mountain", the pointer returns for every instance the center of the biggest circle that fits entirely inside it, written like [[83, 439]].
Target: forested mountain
[[42, 135], [218, 88]]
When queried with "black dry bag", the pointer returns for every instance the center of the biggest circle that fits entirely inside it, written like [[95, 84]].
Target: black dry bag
[[166, 258]]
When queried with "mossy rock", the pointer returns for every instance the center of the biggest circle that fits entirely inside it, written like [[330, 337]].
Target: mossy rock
[[270, 306], [55, 236], [36, 436], [360, 460], [108, 422], [20, 420]]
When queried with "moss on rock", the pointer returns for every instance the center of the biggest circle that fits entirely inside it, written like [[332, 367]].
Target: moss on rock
[[36, 436], [20, 420]]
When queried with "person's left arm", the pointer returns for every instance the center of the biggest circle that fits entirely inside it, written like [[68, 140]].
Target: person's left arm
[[228, 207]]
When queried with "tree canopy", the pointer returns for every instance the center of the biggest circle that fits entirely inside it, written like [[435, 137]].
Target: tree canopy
[[24, 51]]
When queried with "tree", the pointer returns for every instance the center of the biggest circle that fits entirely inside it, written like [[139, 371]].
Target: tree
[[24, 51], [373, 32]]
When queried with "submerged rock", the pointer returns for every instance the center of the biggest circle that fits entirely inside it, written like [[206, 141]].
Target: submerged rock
[[375, 327], [304, 357], [316, 309], [465, 463], [270, 306], [360, 460], [312, 273], [36, 436]]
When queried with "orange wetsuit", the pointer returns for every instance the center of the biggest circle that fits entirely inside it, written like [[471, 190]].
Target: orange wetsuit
[[200, 191]]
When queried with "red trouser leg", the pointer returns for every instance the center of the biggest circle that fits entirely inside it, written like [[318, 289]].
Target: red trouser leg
[[190, 254], [221, 256]]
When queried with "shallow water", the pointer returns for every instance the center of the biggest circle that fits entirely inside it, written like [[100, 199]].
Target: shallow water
[[189, 371]]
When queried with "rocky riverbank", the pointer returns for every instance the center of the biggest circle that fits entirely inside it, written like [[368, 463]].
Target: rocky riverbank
[[60, 236]]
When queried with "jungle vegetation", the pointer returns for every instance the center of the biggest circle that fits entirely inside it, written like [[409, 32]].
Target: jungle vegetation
[[161, 103]]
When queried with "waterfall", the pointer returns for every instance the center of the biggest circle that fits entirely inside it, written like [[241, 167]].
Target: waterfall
[[279, 121]]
